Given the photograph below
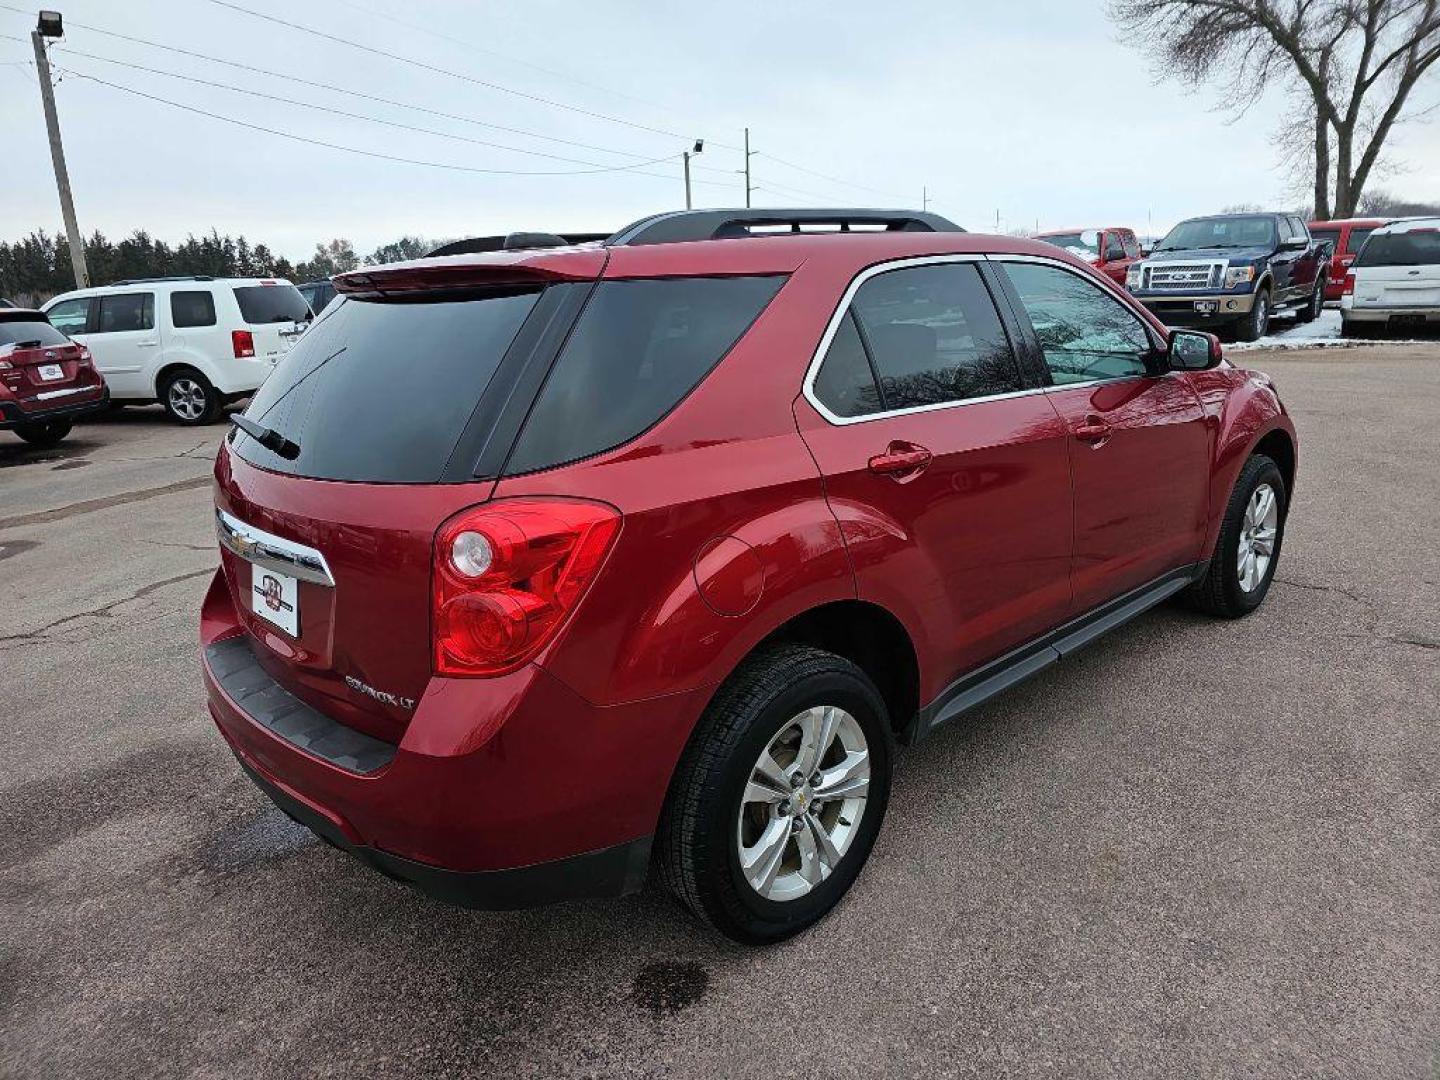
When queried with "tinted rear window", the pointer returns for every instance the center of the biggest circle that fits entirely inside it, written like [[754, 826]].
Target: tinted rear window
[[262, 304], [39, 331], [192, 308], [1332, 235], [382, 391], [638, 349], [1421, 247]]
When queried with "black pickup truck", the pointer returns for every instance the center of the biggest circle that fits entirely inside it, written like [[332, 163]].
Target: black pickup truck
[[1233, 272]]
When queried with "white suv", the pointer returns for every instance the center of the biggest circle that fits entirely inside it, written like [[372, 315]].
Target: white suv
[[191, 343], [1395, 280]]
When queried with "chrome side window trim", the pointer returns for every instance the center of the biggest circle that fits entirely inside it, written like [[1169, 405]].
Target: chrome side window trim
[[272, 552]]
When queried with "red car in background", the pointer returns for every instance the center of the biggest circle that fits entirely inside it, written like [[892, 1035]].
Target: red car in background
[[660, 544], [1346, 235], [1110, 250], [46, 380]]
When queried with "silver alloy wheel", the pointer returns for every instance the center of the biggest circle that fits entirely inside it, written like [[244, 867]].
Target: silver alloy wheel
[[187, 398], [1258, 533], [803, 803]]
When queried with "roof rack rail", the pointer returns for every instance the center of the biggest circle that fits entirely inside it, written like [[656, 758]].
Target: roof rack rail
[[154, 280], [678, 226], [515, 241]]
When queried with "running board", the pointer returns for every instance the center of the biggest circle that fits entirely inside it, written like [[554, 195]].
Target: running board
[[1016, 666]]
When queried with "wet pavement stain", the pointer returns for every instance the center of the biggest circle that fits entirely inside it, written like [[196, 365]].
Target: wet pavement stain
[[78, 463], [667, 988], [256, 839], [15, 547]]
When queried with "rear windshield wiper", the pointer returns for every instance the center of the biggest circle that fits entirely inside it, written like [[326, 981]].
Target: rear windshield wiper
[[267, 437]]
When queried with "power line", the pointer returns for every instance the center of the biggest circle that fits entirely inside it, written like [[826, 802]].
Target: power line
[[335, 89], [824, 176], [632, 169], [352, 115], [451, 74]]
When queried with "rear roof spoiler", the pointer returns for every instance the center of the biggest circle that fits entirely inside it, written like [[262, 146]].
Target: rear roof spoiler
[[515, 241]]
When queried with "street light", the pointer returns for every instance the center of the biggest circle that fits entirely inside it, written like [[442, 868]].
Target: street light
[[50, 25], [699, 147]]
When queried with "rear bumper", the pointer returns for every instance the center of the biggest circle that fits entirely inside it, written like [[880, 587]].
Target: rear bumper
[[1428, 314], [613, 871], [502, 792], [11, 414]]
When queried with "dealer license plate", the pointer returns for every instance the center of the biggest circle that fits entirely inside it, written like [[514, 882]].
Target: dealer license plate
[[276, 599], [51, 372]]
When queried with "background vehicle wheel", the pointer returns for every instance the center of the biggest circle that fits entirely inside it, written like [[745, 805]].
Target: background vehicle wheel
[[189, 398], [1354, 329], [1248, 550], [1316, 304], [1257, 324], [779, 796], [43, 435]]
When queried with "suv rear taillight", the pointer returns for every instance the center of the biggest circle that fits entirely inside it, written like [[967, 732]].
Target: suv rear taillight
[[505, 576], [1349, 289], [243, 342]]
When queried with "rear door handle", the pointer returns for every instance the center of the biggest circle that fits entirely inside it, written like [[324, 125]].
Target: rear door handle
[[1093, 430], [901, 460]]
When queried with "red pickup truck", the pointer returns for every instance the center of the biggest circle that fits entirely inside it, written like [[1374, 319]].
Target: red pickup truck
[[1110, 250], [1346, 235]]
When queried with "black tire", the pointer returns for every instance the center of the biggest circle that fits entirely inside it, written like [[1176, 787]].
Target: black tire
[[44, 435], [189, 399], [1219, 592], [1257, 324], [697, 852], [1354, 330], [1313, 306]]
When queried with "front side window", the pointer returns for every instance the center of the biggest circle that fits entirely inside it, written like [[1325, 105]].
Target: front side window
[[1085, 332], [126, 311], [638, 349], [70, 316], [192, 308]]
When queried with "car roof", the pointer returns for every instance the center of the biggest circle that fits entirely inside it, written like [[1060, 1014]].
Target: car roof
[[1084, 228], [766, 254], [156, 284], [1415, 224], [1348, 221], [20, 314]]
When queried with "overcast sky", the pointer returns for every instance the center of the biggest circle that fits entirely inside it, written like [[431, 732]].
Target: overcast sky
[[1032, 108]]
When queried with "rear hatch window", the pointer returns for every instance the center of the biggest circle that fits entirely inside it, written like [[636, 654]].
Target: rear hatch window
[[261, 305], [32, 333], [382, 390], [1419, 247]]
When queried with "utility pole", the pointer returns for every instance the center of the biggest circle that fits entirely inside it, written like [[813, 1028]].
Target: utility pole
[[50, 26], [698, 148], [924, 198], [748, 188]]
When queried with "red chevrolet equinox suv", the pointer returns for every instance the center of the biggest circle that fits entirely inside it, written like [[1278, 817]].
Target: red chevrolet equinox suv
[[540, 565]]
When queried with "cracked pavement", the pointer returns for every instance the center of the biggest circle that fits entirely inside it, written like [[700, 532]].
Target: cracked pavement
[[1195, 849]]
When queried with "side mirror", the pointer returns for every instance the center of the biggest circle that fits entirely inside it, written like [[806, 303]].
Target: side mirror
[[1193, 350], [1297, 243]]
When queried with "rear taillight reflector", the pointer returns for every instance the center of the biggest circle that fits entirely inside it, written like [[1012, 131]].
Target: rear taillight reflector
[[1349, 289], [243, 342], [505, 576]]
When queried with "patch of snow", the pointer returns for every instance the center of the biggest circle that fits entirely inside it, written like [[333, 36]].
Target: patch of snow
[[1323, 333]]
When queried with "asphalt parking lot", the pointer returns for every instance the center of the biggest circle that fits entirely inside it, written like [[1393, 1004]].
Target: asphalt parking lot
[[1197, 849]]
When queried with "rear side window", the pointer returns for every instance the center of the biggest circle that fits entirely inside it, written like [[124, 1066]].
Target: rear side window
[[382, 391], [1357, 239], [70, 316], [1331, 235], [637, 350], [264, 304], [29, 330], [845, 383], [192, 309], [1419, 247], [126, 311], [933, 337]]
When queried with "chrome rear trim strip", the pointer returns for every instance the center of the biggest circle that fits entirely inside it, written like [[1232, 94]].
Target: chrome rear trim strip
[[272, 552]]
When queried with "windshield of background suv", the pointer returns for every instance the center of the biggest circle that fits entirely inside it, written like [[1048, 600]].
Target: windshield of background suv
[[1256, 231], [12, 332], [264, 304], [1420, 247], [382, 390]]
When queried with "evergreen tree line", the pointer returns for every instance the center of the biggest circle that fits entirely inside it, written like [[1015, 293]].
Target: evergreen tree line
[[37, 267]]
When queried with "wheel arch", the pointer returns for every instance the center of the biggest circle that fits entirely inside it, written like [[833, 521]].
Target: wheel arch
[[171, 364]]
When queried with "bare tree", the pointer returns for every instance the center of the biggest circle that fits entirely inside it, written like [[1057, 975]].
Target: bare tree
[[1353, 63]]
